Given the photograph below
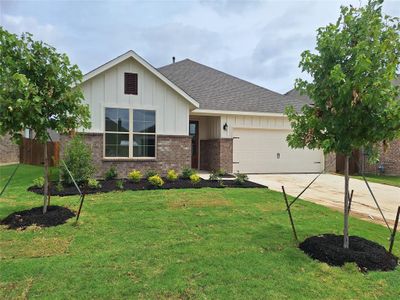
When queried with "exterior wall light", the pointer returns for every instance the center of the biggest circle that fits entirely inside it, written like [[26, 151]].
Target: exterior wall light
[[225, 127]]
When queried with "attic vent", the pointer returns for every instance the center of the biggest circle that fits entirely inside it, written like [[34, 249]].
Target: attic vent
[[131, 83]]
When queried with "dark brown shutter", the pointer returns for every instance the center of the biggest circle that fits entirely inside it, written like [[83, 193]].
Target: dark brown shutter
[[131, 83]]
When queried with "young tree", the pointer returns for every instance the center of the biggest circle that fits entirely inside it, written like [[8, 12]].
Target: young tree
[[39, 91], [355, 103]]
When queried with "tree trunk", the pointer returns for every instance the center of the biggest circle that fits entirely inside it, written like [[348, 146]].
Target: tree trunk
[[346, 203], [46, 179]]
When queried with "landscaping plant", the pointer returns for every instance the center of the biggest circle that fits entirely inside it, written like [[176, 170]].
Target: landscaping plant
[[135, 176], [156, 180], [111, 173], [215, 175], [172, 175], [151, 173], [241, 178], [355, 104], [39, 91], [93, 183], [187, 172], [119, 184], [38, 182], [78, 159], [194, 178]]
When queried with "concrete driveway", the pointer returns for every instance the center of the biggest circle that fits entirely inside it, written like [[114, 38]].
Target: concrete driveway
[[328, 191]]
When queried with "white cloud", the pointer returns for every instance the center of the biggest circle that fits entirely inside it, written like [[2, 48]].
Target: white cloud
[[20, 24]]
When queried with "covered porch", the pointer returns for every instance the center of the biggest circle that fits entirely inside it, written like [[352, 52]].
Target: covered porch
[[210, 150]]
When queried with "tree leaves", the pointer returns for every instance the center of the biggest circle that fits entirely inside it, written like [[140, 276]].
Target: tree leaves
[[355, 102]]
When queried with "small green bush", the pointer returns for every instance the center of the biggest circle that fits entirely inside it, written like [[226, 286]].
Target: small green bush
[[93, 183], [156, 180], [221, 172], [59, 187], [135, 176], [171, 175], [39, 182], [111, 173], [187, 172], [78, 158], [194, 178], [151, 173], [214, 175], [119, 184], [241, 178]]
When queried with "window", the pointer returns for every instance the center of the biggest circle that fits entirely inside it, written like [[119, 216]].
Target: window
[[131, 83], [117, 132], [144, 129], [130, 133]]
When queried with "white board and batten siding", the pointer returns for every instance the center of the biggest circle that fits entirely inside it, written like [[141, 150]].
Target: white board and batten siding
[[107, 90], [260, 146]]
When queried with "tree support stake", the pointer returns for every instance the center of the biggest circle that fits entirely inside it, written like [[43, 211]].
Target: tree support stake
[[393, 235], [290, 214]]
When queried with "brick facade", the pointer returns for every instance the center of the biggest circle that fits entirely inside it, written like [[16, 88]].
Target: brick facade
[[389, 158], [216, 154], [9, 151], [173, 152]]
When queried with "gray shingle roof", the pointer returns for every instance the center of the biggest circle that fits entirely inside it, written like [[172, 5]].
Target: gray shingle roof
[[216, 90], [294, 93]]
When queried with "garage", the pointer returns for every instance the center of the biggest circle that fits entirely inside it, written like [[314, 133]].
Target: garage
[[267, 151]]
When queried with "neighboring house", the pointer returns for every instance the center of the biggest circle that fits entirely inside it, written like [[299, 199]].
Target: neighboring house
[[389, 160], [187, 115]]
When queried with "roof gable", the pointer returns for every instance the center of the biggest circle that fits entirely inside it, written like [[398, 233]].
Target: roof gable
[[146, 65]]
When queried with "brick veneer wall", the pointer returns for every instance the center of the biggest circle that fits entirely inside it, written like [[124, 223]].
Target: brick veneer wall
[[9, 152], [216, 154], [390, 160], [173, 152]]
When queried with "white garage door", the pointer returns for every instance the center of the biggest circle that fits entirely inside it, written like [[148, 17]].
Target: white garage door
[[267, 151]]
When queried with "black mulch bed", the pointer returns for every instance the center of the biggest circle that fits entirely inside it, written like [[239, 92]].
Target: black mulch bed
[[368, 255], [110, 185], [56, 215]]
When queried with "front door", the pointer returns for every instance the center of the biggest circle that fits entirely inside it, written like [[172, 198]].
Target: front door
[[194, 134]]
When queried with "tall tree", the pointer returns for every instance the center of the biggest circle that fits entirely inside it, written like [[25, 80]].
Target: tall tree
[[355, 103], [39, 91]]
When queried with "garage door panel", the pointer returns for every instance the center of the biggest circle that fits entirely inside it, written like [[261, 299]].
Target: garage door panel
[[266, 151]]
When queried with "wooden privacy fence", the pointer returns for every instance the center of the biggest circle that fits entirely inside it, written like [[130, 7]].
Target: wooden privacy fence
[[32, 152]]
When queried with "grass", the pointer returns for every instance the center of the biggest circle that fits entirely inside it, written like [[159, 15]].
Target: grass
[[384, 179], [179, 244]]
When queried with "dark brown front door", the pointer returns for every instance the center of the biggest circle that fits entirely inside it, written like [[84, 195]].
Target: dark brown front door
[[194, 134]]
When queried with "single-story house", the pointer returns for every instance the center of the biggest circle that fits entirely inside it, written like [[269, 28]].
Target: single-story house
[[187, 115]]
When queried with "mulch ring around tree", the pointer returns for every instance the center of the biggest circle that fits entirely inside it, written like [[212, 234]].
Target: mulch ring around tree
[[111, 185], [56, 215], [368, 255]]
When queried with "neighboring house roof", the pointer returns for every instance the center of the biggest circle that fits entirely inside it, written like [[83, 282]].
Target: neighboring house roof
[[215, 90], [144, 63], [294, 93]]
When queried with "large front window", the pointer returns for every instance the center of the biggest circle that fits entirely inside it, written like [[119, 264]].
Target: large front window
[[130, 133]]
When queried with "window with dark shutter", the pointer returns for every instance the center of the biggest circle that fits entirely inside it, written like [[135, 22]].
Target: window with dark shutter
[[131, 83]]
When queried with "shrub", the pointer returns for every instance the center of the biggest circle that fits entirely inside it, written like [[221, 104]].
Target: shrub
[[151, 173], [187, 172], [59, 187], [39, 182], [93, 183], [194, 178], [78, 158], [171, 175], [119, 184], [220, 172], [156, 180], [241, 178], [111, 173], [135, 176], [214, 175]]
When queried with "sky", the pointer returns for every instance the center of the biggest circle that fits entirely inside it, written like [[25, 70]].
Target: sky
[[258, 41]]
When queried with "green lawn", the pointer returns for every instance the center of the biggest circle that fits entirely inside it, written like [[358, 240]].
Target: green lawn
[[390, 180], [179, 244]]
